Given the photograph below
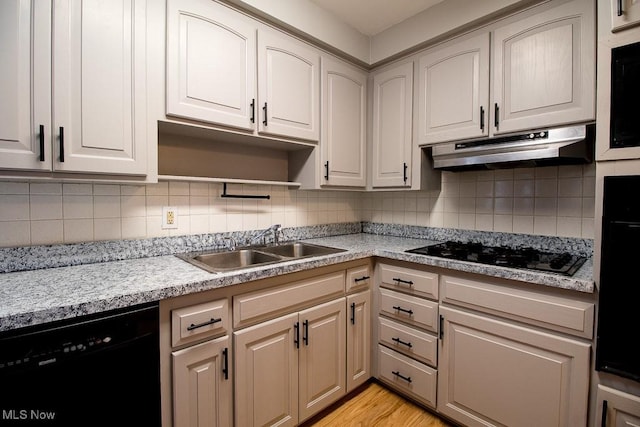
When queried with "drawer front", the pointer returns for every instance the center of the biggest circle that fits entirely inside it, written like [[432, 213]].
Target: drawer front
[[358, 278], [264, 304], [409, 341], [415, 282], [199, 321], [407, 375], [409, 309], [549, 311]]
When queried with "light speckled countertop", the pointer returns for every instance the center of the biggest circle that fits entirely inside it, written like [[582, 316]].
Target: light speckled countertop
[[44, 295]]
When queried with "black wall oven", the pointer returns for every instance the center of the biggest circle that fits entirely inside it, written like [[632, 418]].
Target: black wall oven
[[618, 318], [625, 92]]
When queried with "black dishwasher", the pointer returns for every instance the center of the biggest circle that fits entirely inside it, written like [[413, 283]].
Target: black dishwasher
[[94, 370]]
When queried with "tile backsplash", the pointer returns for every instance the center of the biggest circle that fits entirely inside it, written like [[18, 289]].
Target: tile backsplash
[[544, 201], [554, 201]]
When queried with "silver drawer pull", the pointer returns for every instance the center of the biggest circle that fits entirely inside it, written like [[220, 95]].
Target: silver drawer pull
[[200, 325]]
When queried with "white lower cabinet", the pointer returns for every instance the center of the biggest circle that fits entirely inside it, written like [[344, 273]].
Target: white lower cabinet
[[358, 339], [499, 373], [290, 368], [202, 385], [407, 327], [616, 408], [407, 375]]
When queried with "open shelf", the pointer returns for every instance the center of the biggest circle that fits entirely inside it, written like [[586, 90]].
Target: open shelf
[[193, 153]]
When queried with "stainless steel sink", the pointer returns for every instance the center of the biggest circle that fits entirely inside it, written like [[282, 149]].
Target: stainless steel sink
[[300, 250], [231, 260]]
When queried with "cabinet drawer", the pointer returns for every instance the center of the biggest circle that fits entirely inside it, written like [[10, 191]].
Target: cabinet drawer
[[419, 380], [553, 312], [409, 341], [199, 321], [406, 308], [409, 280], [358, 278], [264, 304]]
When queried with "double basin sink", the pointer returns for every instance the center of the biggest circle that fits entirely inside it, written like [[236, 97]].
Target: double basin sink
[[238, 259]]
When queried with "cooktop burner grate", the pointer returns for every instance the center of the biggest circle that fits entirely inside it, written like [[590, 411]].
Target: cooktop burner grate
[[563, 263]]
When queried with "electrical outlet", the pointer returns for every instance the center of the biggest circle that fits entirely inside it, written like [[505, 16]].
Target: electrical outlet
[[169, 217]]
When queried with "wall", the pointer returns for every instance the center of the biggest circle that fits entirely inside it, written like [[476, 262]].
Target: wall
[[544, 201]]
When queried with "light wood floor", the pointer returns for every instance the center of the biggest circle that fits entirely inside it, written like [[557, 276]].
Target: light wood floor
[[377, 406]]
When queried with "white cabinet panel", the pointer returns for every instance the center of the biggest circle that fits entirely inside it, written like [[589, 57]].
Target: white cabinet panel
[[266, 389], [454, 91], [202, 385], [616, 408], [211, 64], [322, 357], [392, 126], [484, 363], [99, 95], [407, 375], [25, 84], [358, 339], [288, 87], [344, 112], [624, 14], [544, 73]]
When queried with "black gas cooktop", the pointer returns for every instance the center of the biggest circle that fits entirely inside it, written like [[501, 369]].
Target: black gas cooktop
[[563, 263]]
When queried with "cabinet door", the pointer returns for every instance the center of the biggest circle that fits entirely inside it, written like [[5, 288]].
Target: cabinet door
[[322, 357], [454, 92], [266, 389], [358, 339], [99, 92], [624, 14], [202, 385], [344, 112], [25, 84], [392, 121], [288, 87], [211, 63], [616, 408], [544, 69], [484, 363]]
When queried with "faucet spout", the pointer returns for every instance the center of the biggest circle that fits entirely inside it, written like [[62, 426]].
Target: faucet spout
[[262, 234]]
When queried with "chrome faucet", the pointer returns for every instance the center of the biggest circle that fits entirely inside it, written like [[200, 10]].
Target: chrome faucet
[[230, 243], [262, 235]]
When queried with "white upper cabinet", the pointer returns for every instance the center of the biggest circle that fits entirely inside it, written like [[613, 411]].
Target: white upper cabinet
[[624, 14], [453, 94], [25, 84], [531, 73], [544, 69], [229, 70], [288, 87], [344, 113], [211, 64], [392, 126], [99, 86], [92, 57]]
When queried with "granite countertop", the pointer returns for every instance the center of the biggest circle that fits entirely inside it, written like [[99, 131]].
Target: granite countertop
[[49, 294]]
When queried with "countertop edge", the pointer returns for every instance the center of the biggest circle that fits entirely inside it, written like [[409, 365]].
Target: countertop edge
[[203, 281]]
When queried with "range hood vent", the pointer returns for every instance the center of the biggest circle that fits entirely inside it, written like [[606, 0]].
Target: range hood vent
[[560, 146]]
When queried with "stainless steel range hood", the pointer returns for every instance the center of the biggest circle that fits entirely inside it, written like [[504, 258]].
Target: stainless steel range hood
[[567, 145]]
